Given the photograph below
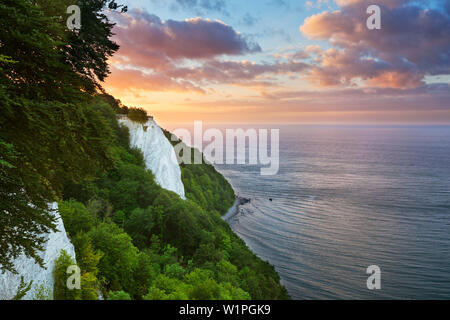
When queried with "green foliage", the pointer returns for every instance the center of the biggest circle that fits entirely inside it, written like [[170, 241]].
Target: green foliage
[[165, 288], [137, 115], [90, 47], [227, 272], [174, 270], [43, 293], [207, 187], [157, 294], [115, 104], [87, 257], [118, 295], [86, 50], [197, 285], [60, 289], [38, 53], [23, 289], [181, 226], [89, 284], [88, 260], [204, 287], [129, 185], [207, 253], [202, 183], [76, 217], [59, 139], [169, 248], [22, 227], [50, 131], [144, 274], [140, 225], [120, 257]]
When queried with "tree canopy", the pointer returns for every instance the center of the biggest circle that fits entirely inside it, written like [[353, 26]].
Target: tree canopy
[[49, 129], [60, 141]]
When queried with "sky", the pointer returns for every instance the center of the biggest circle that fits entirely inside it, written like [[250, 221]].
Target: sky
[[284, 61]]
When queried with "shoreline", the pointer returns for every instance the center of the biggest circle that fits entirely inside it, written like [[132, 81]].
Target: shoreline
[[234, 209]]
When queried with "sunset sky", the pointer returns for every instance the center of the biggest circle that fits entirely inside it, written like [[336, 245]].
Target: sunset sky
[[284, 61]]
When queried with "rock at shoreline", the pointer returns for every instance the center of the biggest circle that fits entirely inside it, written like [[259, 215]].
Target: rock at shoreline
[[243, 201]]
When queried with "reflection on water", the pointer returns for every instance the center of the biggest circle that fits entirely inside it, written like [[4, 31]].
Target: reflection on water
[[347, 198]]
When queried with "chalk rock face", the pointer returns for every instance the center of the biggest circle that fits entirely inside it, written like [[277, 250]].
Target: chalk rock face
[[158, 152], [28, 268]]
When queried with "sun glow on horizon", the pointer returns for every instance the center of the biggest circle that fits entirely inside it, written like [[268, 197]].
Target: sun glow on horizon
[[242, 68]]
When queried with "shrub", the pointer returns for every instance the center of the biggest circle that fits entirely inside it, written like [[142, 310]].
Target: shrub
[[60, 289], [138, 115], [118, 295]]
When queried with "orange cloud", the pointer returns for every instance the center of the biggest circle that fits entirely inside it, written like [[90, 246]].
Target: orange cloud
[[136, 79], [411, 45], [395, 79]]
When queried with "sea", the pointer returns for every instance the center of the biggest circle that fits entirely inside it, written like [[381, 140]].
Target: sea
[[347, 198]]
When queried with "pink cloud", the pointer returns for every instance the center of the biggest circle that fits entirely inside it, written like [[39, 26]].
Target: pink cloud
[[137, 79], [187, 55], [412, 43], [194, 38]]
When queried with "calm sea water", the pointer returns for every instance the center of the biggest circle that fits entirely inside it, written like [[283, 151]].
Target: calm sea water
[[346, 198]]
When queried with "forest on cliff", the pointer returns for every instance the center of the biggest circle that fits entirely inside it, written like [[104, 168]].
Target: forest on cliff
[[60, 141]]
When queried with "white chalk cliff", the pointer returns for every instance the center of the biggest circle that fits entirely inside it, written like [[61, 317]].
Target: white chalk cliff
[[159, 157], [30, 270], [159, 154]]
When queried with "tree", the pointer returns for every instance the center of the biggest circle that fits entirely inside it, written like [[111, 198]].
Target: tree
[[174, 270], [115, 104], [89, 284], [23, 289], [49, 130], [76, 217], [88, 260], [204, 287], [120, 257], [144, 273], [43, 293], [90, 47], [60, 289], [137, 115], [86, 49], [140, 226], [22, 227], [207, 253], [166, 288], [118, 295], [59, 139]]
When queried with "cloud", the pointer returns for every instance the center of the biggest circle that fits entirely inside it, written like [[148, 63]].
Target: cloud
[[382, 69], [425, 101], [194, 38], [413, 42], [187, 55], [130, 79], [388, 3], [237, 72], [197, 79], [433, 96], [447, 6]]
